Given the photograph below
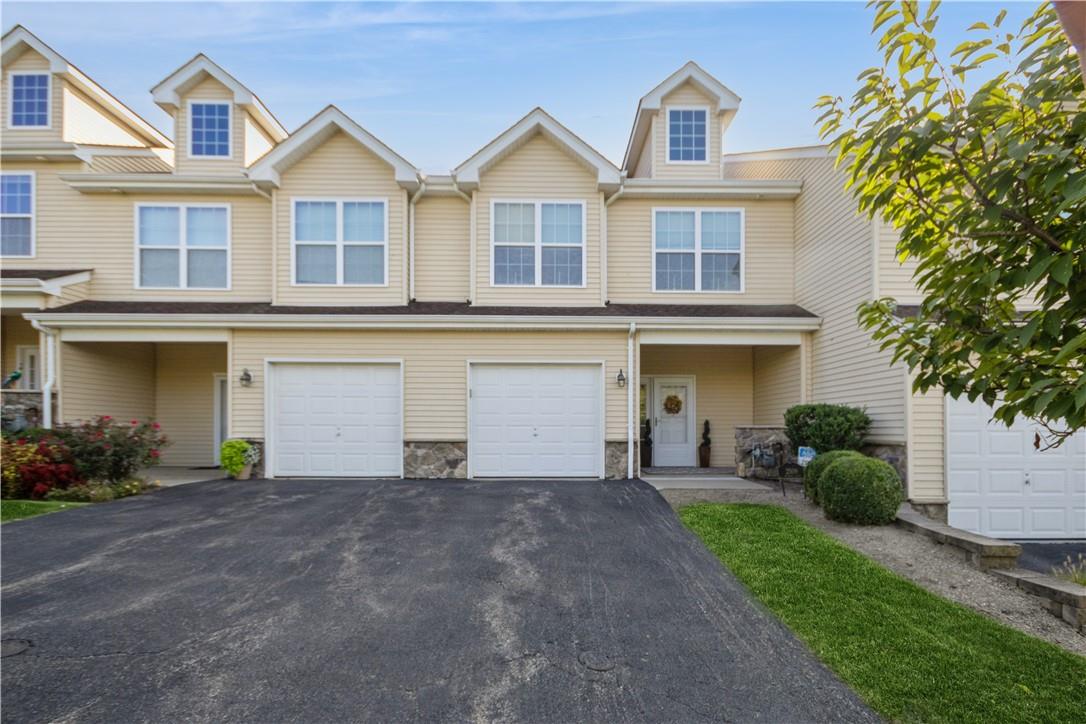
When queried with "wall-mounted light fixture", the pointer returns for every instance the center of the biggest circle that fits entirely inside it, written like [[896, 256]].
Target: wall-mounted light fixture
[[246, 378], [621, 379]]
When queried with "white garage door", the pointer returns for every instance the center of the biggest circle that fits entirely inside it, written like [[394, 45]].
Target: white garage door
[[336, 420], [535, 421], [999, 485]]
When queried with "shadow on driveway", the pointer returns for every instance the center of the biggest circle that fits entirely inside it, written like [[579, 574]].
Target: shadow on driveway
[[392, 600]]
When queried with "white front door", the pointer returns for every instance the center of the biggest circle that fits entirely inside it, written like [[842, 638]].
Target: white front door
[[673, 421], [536, 421], [998, 484], [27, 363], [336, 420]]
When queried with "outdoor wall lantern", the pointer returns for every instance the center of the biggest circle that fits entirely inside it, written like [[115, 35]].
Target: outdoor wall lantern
[[621, 379], [246, 378]]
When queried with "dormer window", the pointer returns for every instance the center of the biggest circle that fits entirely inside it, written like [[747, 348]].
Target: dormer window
[[210, 132], [687, 131], [29, 100]]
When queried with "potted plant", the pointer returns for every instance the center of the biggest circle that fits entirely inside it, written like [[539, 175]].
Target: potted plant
[[705, 450], [646, 444], [238, 458]]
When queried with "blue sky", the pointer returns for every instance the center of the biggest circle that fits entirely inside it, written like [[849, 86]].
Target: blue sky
[[438, 80]]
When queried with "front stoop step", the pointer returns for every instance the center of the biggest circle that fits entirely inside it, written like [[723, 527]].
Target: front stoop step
[[1062, 598], [983, 552]]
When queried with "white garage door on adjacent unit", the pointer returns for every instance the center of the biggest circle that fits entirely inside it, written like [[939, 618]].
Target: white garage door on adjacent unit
[[1000, 485], [335, 420], [536, 420]]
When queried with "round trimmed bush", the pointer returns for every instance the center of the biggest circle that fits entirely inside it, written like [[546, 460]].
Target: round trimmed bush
[[816, 467], [860, 490]]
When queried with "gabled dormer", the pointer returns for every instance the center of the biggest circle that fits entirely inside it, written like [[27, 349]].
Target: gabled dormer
[[679, 127], [50, 107], [220, 126]]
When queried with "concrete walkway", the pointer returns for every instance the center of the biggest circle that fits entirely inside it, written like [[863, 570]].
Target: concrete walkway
[[168, 475]]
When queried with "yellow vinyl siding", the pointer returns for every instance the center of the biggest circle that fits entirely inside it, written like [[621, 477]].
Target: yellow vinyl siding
[[16, 332], [32, 62], [442, 249], [776, 383], [723, 388], [687, 95], [116, 379], [340, 168], [895, 278], [435, 369], [210, 90], [927, 481], [97, 231], [834, 273], [536, 171], [128, 164], [257, 142], [645, 158], [71, 293], [185, 400], [768, 248], [87, 122]]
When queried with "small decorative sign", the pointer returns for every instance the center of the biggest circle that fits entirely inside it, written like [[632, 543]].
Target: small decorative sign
[[806, 455], [673, 404]]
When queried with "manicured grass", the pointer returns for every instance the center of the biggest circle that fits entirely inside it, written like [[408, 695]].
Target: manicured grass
[[912, 655], [16, 509]]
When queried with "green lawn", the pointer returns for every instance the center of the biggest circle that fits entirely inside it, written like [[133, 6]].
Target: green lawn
[[16, 509], [912, 655]]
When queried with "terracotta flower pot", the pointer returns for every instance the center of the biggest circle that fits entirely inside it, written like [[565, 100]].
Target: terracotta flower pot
[[244, 473]]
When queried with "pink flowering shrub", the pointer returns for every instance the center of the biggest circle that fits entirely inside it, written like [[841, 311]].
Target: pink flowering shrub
[[106, 450]]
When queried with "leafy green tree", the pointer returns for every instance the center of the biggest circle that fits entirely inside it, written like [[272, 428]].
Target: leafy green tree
[[978, 159]]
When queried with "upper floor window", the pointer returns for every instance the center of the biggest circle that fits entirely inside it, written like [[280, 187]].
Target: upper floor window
[[697, 250], [17, 214], [29, 100], [183, 246], [538, 243], [687, 134], [340, 242], [210, 129]]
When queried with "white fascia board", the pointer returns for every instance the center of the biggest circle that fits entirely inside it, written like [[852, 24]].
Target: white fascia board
[[782, 154], [116, 334], [790, 338], [162, 183], [467, 174], [361, 321], [53, 287], [712, 189], [287, 153], [167, 94], [19, 39]]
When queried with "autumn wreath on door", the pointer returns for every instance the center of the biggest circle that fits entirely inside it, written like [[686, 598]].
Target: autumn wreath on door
[[673, 404]]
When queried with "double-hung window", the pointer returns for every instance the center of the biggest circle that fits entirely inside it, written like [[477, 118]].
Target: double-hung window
[[210, 132], [29, 100], [538, 243], [697, 250], [340, 242], [183, 246], [687, 135], [17, 214]]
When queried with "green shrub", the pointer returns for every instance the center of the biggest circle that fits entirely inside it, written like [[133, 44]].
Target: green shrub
[[235, 455], [863, 490], [103, 449], [816, 467], [826, 427], [86, 493]]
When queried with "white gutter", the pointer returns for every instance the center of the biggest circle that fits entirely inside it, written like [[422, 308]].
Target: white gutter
[[50, 372], [411, 241], [630, 401], [615, 195]]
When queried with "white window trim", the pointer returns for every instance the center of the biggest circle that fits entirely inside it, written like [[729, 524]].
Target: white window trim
[[538, 243], [20, 362], [183, 247], [667, 135], [339, 243], [229, 128], [697, 250], [48, 100], [33, 214]]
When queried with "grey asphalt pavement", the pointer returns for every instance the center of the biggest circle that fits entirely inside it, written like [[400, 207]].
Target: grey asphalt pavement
[[330, 601]]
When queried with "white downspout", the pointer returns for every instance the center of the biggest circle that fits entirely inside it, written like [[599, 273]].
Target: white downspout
[[411, 242], [630, 401], [50, 372]]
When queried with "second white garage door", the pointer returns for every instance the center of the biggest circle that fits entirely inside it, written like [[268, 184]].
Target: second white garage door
[[530, 421], [336, 420]]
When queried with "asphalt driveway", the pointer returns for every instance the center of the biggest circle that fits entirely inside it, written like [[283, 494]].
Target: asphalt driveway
[[388, 601]]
